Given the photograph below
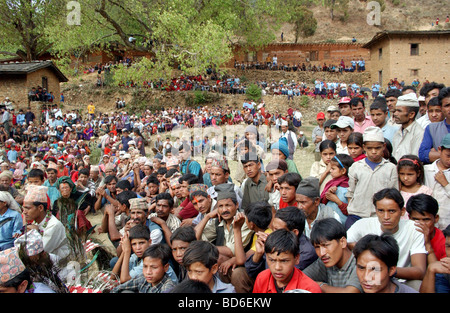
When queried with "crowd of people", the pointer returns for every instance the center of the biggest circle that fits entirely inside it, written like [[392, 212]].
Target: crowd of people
[[371, 216]]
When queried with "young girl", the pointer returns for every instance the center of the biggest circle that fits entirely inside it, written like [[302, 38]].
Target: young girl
[[355, 146], [321, 169], [411, 178], [335, 191]]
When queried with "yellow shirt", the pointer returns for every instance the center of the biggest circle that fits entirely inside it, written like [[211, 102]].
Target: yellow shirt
[[253, 247], [91, 109]]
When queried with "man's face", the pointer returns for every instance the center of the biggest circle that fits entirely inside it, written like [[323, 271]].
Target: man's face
[[5, 181], [252, 168], [284, 129], [345, 109], [178, 249], [218, 176], [358, 112], [306, 204], [227, 209], [111, 186], [198, 271], [139, 216], [431, 94], [444, 157], [184, 189], [373, 274], [202, 204], [391, 102], [93, 175], [31, 212], [389, 214], [287, 192], [335, 115], [163, 209], [446, 108], [273, 175], [374, 150], [378, 117], [281, 266], [402, 115], [435, 114], [426, 219], [154, 270], [51, 176], [330, 251]]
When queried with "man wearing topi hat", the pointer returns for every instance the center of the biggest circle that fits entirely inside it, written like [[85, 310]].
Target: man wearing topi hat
[[408, 138]]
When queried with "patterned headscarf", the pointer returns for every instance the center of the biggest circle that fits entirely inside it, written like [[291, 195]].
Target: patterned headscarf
[[33, 241], [67, 180]]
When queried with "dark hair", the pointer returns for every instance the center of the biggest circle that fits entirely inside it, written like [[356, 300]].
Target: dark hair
[[388, 152], [354, 102], [152, 180], [293, 217], [443, 93], [280, 241], [409, 87], [430, 86], [389, 193], [161, 171], [189, 178], [383, 247], [328, 123], [110, 178], [165, 196], [170, 172], [191, 286], [198, 193], [446, 231], [37, 173], [343, 161], [125, 196], [51, 169], [325, 144], [139, 231], [84, 171], [250, 157], [201, 251], [158, 251], [185, 233], [422, 203], [356, 138], [379, 103], [327, 229], [259, 213], [292, 179], [412, 161], [123, 184], [393, 93], [44, 204]]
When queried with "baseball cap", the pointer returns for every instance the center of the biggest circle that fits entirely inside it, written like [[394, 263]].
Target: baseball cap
[[345, 100], [344, 121], [320, 116]]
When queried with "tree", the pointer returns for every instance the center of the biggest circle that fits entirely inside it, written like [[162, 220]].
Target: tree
[[22, 25], [340, 6], [305, 24]]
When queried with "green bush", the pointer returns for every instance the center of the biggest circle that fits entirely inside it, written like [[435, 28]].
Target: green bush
[[254, 92]]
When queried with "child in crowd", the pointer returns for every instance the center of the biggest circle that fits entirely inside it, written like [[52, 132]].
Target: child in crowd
[[335, 191], [330, 133], [179, 241], [321, 169], [282, 254], [288, 185], [344, 127], [411, 178], [355, 146], [154, 277], [201, 262], [369, 175]]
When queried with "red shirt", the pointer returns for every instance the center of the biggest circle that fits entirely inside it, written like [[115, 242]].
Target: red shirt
[[284, 204], [188, 210], [438, 244], [265, 283]]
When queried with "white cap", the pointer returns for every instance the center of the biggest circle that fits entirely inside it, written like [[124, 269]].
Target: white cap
[[343, 122], [408, 100], [373, 133]]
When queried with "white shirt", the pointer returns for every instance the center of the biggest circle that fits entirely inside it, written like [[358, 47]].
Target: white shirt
[[407, 141], [440, 193], [409, 239], [54, 237]]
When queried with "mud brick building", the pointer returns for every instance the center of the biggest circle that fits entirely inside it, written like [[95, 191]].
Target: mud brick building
[[308, 53], [409, 55], [17, 79]]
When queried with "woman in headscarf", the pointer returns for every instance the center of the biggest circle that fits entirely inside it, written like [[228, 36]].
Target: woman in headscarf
[[88, 132], [73, 205], [10, 222], [139, 140]]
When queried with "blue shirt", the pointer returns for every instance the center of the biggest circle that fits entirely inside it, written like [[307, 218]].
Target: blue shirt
[[12, 225], [52, 192], [194, 167], [20, 119], [427, 144], [371, 164], [12, 155], [389, 131]]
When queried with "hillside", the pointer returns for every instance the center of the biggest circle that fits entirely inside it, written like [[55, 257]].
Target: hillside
[[397, 15]]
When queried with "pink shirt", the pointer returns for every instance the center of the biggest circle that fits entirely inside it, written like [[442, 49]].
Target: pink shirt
[[360, 127]]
